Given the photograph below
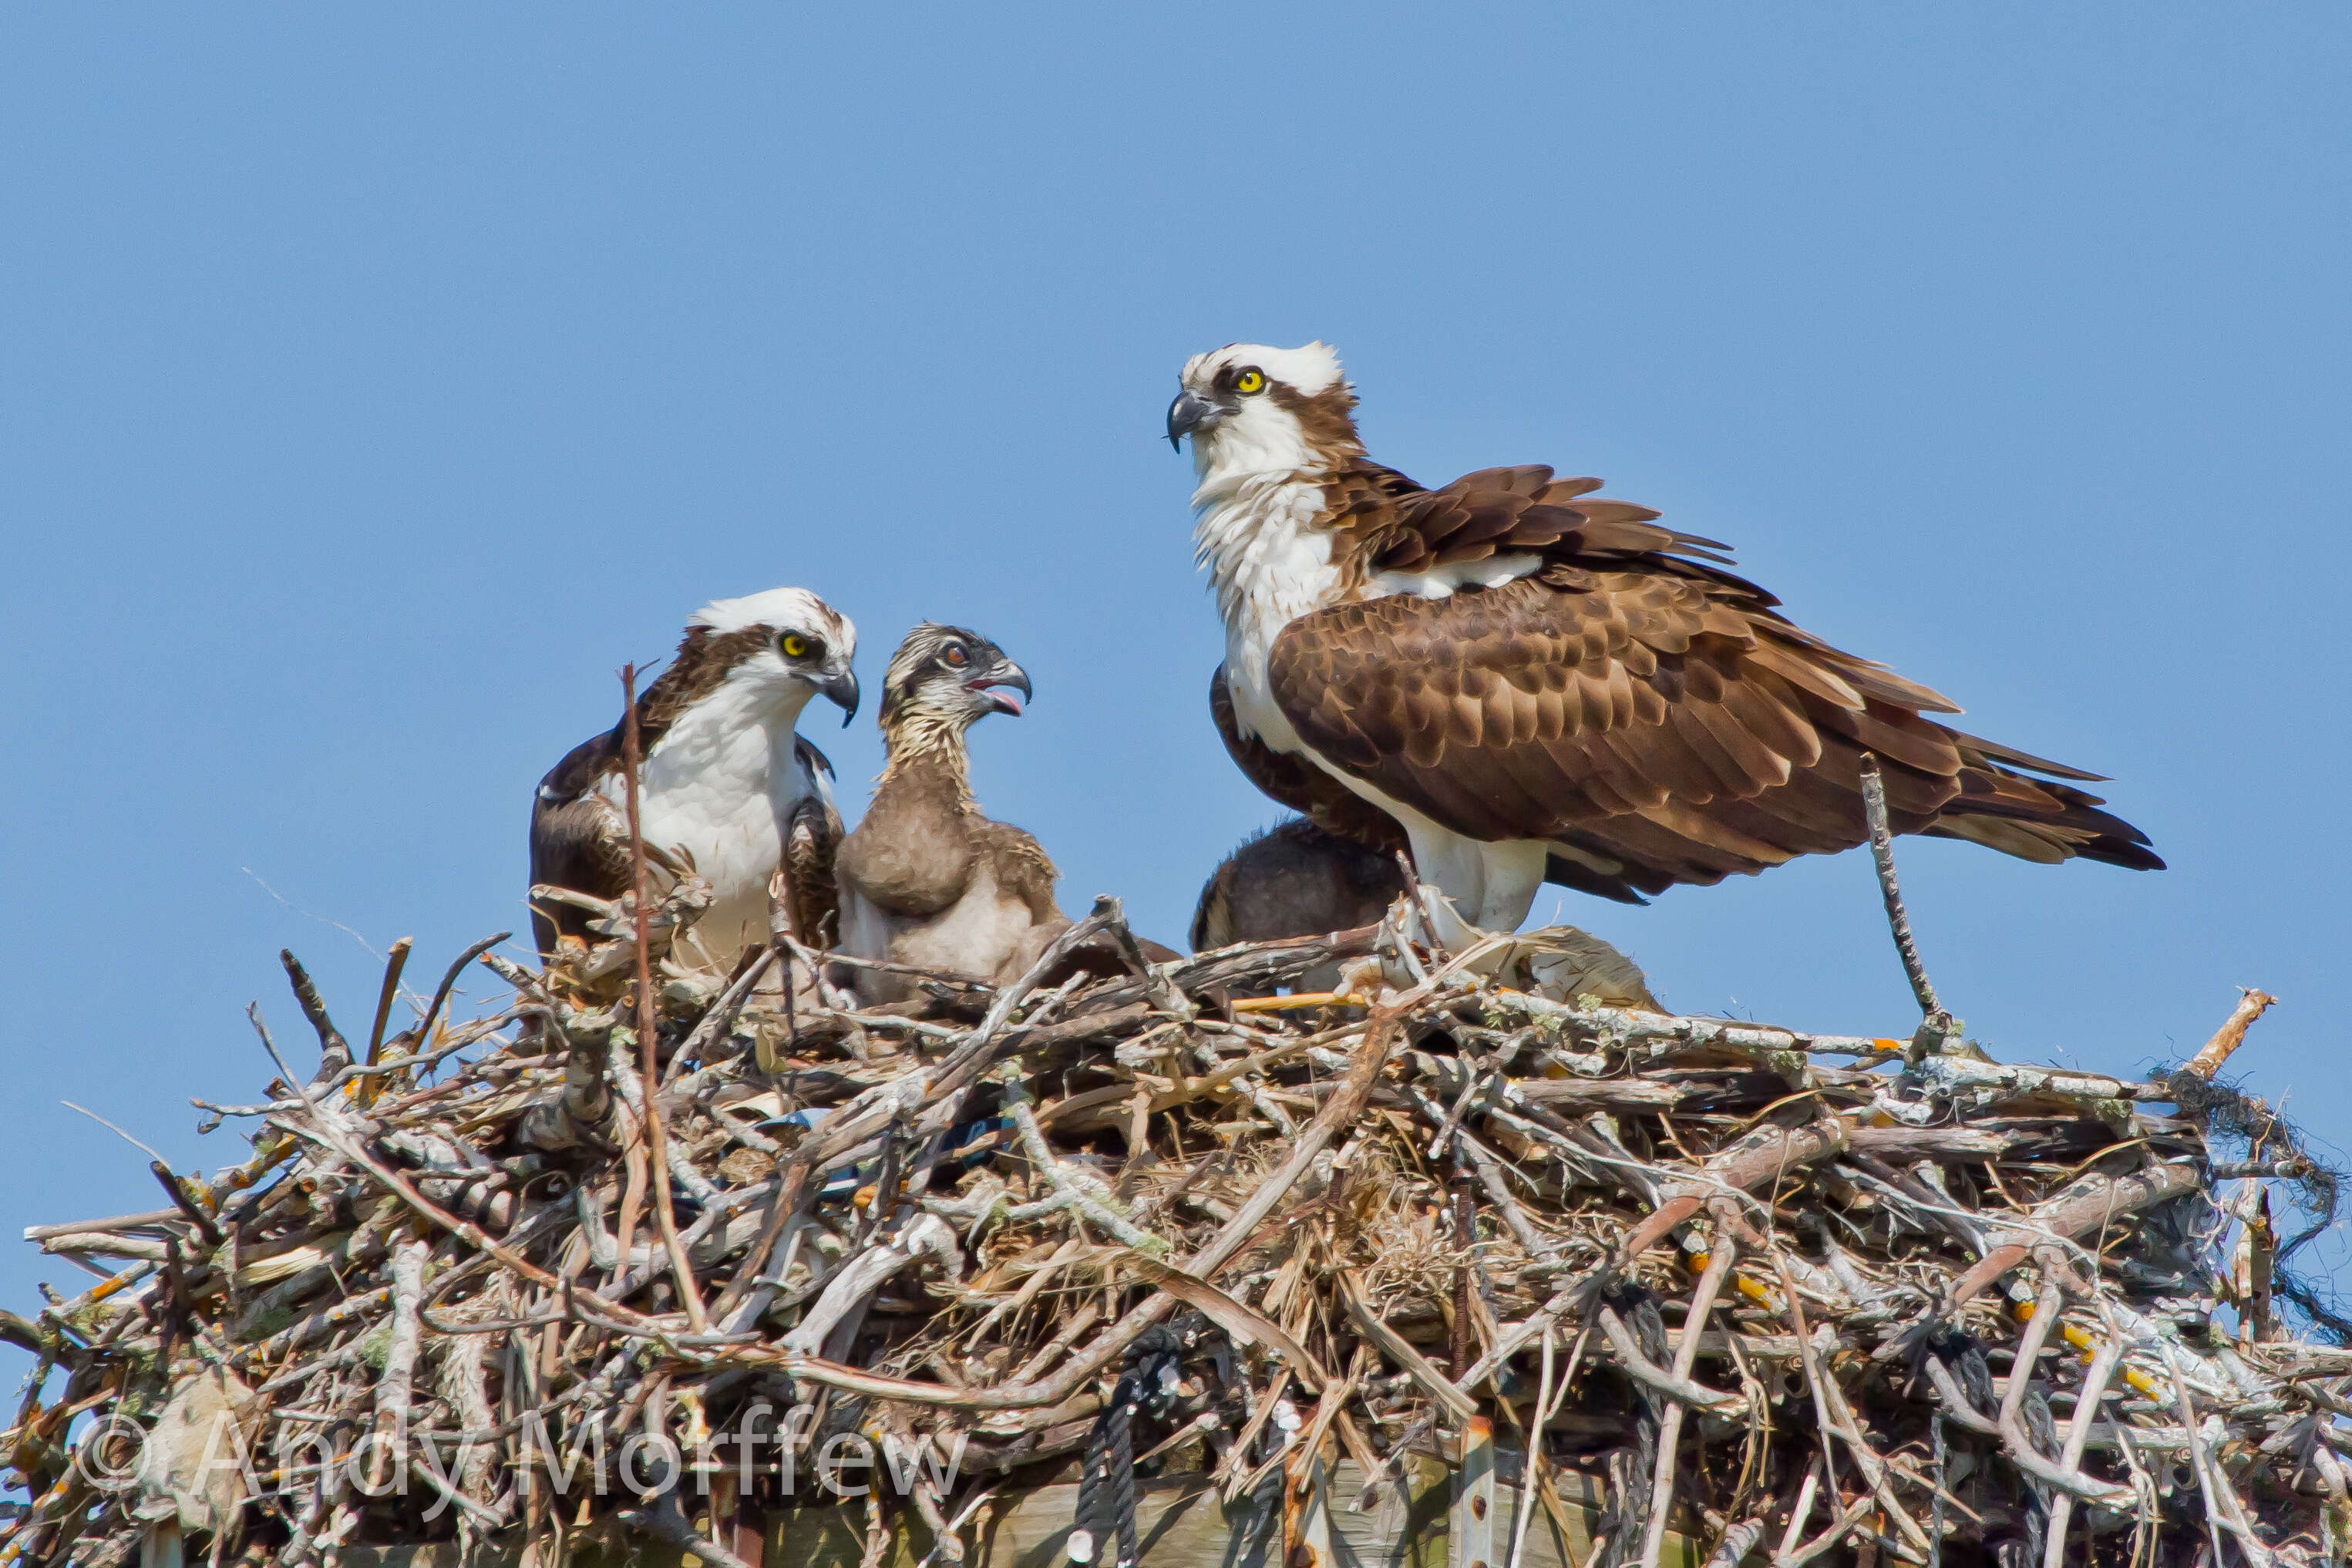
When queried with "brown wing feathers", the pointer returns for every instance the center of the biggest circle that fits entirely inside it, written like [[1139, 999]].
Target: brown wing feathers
[[576, 838], [1299, 784], [1632, 702], [1495, 511], [812, 842]]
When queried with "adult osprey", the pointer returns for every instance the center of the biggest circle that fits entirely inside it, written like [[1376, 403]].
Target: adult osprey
[[1537, 684], [724, 782]]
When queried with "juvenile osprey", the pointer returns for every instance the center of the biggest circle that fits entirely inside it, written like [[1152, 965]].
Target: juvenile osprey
[[1535, 684], [926, 879], [725, 782]]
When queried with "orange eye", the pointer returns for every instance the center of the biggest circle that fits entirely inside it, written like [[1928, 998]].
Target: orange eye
[[1249, 381], [954, 656]]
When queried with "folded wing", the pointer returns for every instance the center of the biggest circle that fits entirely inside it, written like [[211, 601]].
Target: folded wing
[[1630, 704], [578, 840]]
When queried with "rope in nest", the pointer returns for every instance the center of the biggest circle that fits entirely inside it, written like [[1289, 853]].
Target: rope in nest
[[1106, 1510]]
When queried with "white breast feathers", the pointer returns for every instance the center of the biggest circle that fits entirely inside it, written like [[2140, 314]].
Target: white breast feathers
[[719, 786], [1269, 564]]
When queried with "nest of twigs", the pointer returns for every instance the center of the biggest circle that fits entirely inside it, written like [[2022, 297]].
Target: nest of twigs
[[1784, 1296]]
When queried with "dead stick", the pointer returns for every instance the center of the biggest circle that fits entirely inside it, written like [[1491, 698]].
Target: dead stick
[[2093, 1201], [1539, 1417], [790, 1187], [187, 1204], [1466, 1236], [2199, 1464], [2252, 1004], [1898, 920], [1761, 1156], [1670, 1428], [2016, 1442], [1954, 1399], [144, 1221], [1794, 1307], [1828, 1537], [667, 1518], [633, 1194], [392, 1389], [394, 962], [656, 1133], [1649, 1373], [1158, 987], [334, 1051], [721, 1014], [2028, 1350], [2078, 1437], [1801, 1510], [450, 983], [1398, 1350]]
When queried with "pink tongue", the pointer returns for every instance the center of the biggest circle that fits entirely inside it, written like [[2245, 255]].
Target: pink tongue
[[1006, 695]]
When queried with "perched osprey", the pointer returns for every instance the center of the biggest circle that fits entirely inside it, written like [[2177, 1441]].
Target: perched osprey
[[725, 783], [1535, 684], [927, 880]]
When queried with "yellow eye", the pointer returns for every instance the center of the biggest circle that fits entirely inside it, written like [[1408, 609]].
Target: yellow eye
[[794, 645], [1249, 381]]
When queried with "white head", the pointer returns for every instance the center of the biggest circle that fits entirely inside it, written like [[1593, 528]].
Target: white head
[[786, 640], [1251, 409]]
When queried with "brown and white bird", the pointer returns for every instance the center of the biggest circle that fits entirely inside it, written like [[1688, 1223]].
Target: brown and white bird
[[927, 880], [725, 783], [1535, 684]]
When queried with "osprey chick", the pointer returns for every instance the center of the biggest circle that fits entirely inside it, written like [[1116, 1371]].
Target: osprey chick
[[1294, 879], [926, 879], [724, 783], [1535, 684]]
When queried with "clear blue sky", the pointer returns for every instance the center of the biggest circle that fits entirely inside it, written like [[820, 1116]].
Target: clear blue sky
[[375, 381]]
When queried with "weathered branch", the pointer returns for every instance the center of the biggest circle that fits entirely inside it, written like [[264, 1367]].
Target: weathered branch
[[1937, 1025]]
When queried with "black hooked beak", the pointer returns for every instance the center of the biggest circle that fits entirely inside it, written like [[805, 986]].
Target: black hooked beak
[[1188, 414], [1001, 674], [841, 690]]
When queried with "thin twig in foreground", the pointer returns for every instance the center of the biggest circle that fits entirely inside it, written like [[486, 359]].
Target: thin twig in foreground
[[657, 1134]]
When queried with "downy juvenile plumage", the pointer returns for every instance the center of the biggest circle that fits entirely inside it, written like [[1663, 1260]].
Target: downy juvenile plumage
[[927, 880]]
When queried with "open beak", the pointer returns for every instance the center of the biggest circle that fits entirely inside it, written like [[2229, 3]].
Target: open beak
[[997, 683], [841, 690], [1187, 414]]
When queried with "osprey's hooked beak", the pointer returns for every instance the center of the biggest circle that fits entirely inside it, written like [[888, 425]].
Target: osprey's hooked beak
[[991, 683], [842, 690], [1188, 413]]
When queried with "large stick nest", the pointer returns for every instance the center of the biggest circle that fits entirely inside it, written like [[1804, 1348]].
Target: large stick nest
[[1871, 1299]]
